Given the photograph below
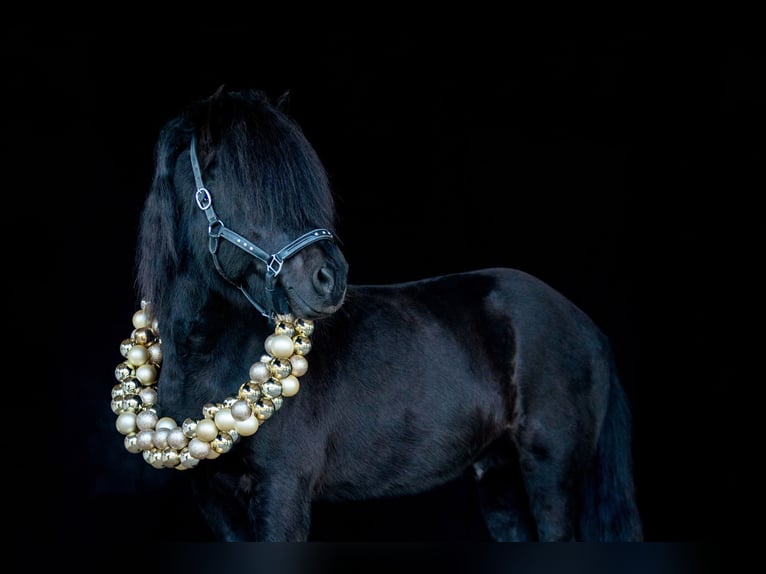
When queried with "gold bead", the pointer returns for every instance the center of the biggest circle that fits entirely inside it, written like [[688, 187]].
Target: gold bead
[[222, 443], [147, 374], [131, 444], [250, 392], [186, 460], [263, 409], [170, 458], [131, 386], [138, 355], [280, 368], [284, 328], [209, 410], [277, 402], [302, 345], [144, 336], [304, 327]]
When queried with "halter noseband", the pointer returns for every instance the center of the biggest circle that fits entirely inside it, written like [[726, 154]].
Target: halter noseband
[[216, 230]]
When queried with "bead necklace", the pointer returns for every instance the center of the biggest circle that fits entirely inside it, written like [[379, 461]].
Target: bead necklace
[[165, 444]]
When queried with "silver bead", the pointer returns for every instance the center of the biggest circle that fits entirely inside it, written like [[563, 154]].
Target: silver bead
[[125, 347], [186, 460], [277, 402], [118, 391], [271, 388], [148, 396], [177, 439], [259, 371], [131, 386], [145, 440], [124, 371], [160, 439], [189, 427], [241, 410], [146, 419], [170, 458], [131, 443]]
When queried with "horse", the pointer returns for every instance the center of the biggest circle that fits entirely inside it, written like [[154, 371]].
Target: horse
[[284, 385]]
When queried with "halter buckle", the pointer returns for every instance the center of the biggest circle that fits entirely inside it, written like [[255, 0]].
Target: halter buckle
[[270, 267], [202, 197]]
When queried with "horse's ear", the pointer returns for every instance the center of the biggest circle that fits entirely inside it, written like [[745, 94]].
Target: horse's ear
[[219, 92], [283, 102]]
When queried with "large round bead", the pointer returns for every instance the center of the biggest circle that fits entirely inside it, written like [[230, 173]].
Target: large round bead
[[147, 374], [248, 426], [167, 423], [126, 423], [148, 396], [206, 430], [146, 420], [199, 449], [138, 355], [281, 346], [155, 353], [300, 365], [177, 439], [141, 318], [145, 440], [259, 372], [160, 438], [290, 386], [240, 410], [224, 420]]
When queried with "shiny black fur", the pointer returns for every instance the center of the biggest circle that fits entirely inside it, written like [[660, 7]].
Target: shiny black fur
[[409, 385]]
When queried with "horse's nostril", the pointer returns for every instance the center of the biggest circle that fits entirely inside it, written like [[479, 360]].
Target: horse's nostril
[[324, 280]]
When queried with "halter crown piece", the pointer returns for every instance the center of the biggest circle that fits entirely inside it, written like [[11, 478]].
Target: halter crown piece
[[161, 440]]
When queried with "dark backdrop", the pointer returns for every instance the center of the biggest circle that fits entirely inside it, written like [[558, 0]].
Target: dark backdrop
[[617, 169]]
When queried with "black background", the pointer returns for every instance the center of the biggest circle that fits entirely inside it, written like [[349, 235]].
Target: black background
[[621, 168]]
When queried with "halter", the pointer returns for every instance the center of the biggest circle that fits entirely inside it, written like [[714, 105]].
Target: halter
[[216, 229]]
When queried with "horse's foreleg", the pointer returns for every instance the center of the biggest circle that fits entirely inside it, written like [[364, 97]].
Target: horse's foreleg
[[280, 510]]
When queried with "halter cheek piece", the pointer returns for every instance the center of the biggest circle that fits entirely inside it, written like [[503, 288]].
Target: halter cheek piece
[[217, 230]]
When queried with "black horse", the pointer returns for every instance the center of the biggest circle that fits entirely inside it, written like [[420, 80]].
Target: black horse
[[410, 385]]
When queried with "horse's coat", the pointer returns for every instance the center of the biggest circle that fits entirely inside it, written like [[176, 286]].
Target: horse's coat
[[409, 385]]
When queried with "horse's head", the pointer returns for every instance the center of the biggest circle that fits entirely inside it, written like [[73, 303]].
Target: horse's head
[[240, 205]]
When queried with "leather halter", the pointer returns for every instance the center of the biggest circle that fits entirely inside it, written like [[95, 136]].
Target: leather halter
[[217, 230]]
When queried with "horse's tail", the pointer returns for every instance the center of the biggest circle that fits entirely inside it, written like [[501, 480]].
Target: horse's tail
[[610, 512]]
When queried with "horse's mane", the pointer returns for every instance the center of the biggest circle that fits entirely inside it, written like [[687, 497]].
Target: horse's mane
[[263, 174]]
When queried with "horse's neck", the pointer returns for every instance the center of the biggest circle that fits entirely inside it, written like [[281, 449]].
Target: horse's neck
[[206, 356]]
